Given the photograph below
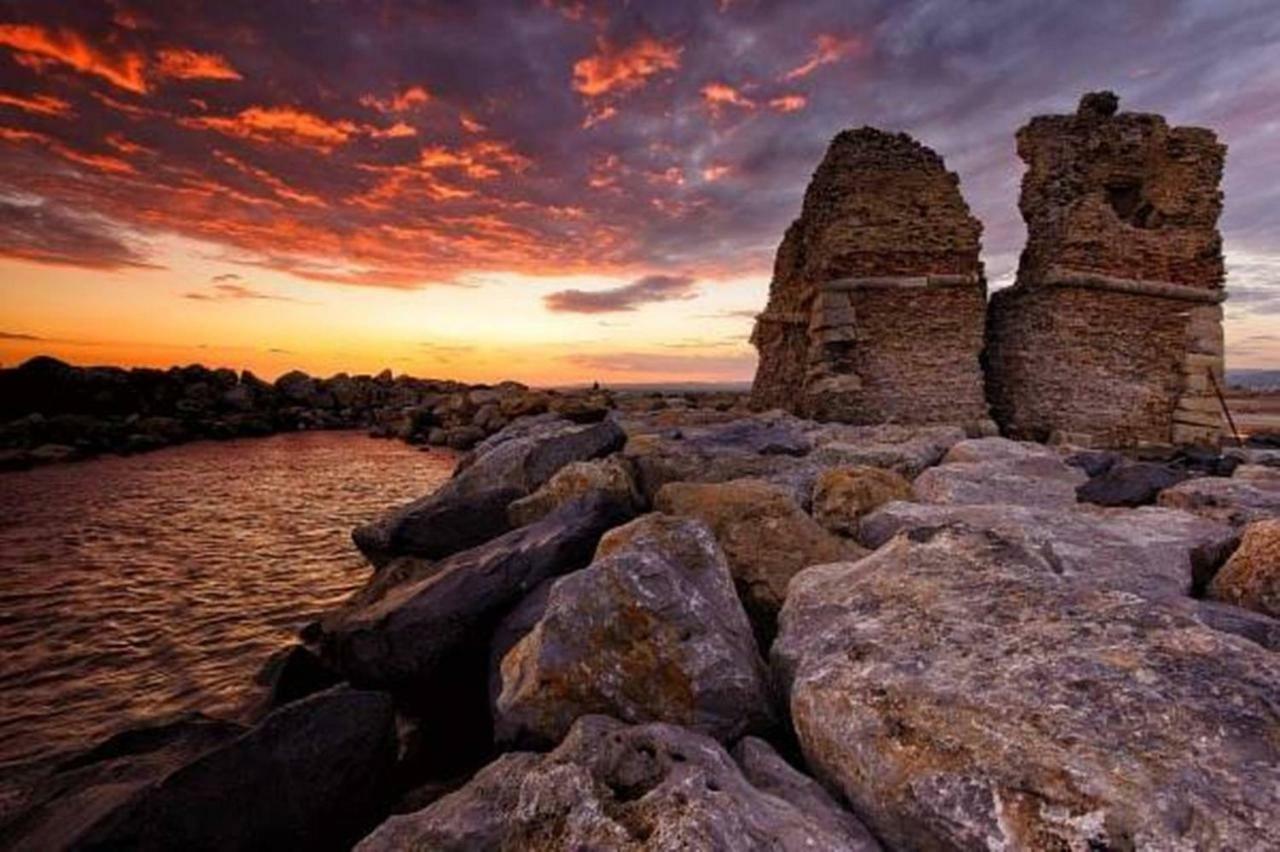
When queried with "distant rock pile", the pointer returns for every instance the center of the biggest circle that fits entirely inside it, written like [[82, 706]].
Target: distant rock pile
[[877, 304]]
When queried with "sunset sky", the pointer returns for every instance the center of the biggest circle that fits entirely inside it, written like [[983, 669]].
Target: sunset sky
[[545, 191]]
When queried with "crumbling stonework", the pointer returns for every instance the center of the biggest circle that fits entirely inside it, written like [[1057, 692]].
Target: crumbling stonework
[[1114, 326], [877, 303]]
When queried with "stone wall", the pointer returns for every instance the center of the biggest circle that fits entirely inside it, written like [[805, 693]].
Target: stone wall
[[877, 302], [1111, 332]]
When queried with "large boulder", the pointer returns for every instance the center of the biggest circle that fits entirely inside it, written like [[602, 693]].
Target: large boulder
[[1232, 501], [997, 470], [652, 630], [1149, 551], [610, 475], [1135, 484], [766, 536], [643, 787], [905, 449], [401, 636], [471, 508], [311, 775], [1251, 577], [842, 495], [961, 692]]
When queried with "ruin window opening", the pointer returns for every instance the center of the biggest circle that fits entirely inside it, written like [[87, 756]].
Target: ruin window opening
[[1130, 205]]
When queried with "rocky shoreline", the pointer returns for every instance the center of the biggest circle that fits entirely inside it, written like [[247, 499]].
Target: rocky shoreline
[[51, 411], [690, 628]]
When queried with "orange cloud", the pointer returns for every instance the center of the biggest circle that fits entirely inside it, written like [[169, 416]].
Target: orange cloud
[[721, 95], [789, 103], [399, 102], [277, 186], [713, 173], [614, 69], [125, 146], [67, 47], [827, 49], [38, 104], [482, 161], [599, 116], [280, 124], [470, 125], [101, 162], [184, 64]]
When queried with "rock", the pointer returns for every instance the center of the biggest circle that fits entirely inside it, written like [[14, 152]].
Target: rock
[[842, 495], [609, 786], [1232, 501], [1150, 551], [404, 636], [651, 631], [1257, 628], [1094, 462], [766, 537], [997, 470], [1135, 484], [471, 508], [610, 475], [463, 437], [1264, 476], [310, 775], [961, 693], [293, 673], [1251, 577], [905, 449]]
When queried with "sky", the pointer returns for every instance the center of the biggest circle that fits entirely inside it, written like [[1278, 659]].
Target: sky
[[552, 191]]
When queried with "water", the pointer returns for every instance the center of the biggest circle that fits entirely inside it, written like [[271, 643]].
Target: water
[[132, 588]]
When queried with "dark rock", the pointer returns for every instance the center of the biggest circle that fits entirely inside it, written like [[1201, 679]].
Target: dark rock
[[961, 692], [293, 673], [1136, 484], [610, 786], [652, 630], [403, 637], [1094, 462]]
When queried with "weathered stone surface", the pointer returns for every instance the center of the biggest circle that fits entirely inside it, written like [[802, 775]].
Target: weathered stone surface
[[962, 693], [610, 475], [842, 495], [404, 635], [310, 775], [652, 630], [1113, 325], [904, 449], [1135, 484], [650, 787], [1150, 551], [766, 537], [997, 470], [1251, 577], [471, 508], [877, 303], [1231, 501]]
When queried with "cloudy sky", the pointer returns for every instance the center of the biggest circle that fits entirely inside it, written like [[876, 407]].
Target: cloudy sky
[[549, 191]]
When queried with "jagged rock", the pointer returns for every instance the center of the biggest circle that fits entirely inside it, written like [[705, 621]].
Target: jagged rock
[[905, 449], [766, 537], [652, 630], [649, 787], [842, 495], [472, 506], [610, 475], [405, 635], [293, 673], [997, 470], [1112, 334], [1251, 577], [1150, 551], [1232, 501], [877, 303], [310, 775], [1257, 628], [962, 693], [1129, 484]]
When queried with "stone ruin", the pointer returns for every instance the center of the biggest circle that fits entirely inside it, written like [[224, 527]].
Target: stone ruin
[[1112, 335], [877, 303]]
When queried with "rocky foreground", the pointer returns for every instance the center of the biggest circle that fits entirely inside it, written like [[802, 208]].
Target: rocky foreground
[[691, 629]]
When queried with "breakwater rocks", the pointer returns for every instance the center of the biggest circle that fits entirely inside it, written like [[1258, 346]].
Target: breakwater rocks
[[692, 629], [51, 411]]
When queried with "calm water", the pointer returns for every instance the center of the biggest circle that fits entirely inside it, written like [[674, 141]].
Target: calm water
[[138, 587]]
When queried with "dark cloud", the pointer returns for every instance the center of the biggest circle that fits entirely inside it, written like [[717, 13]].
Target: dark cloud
[[9, 335], [226, 292], [642, 291], [402, 144]]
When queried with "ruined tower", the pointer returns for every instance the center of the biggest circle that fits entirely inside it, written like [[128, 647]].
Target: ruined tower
[[877, 303], [1114, 326]]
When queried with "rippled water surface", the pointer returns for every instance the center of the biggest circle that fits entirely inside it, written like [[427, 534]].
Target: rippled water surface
[[138, 587]]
